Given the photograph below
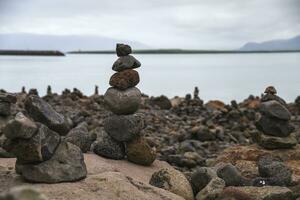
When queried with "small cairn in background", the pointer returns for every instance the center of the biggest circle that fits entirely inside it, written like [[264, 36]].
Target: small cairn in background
[[274, 123], [124, 125]]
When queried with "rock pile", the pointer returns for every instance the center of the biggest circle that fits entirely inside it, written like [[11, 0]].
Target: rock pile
[[42, 156], [124, 126], [274, 123]]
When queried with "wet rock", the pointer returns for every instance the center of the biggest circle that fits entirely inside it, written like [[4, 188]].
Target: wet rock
[[124, 79], [201, 177], [123, 50], [271, 142], [173, 181], [22, 193], [21, 127], [80, 137], [42, 112], [66, 165], [123, 102], [231, 176], [138, 151], [39, 148], [162, 102], [109, 148], [275, 170], [274, 127], [212, 190], [124, 128], [126, 62], [275, 110]]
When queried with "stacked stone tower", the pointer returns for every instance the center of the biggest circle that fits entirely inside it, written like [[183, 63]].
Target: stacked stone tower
[[124, 125], [274, 122]]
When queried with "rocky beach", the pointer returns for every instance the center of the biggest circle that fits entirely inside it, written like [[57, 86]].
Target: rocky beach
[[127, 145]]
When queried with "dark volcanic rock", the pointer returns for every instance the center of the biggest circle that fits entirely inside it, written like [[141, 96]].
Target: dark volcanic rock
[[80, 137], [8, 97], [109, 148], [231, 175], [66, 165], [21, 127], [124, 79], [162, 101], [271, 142], [123, 50], [274, 127], [201, 177], [126, 62], [275, 110], [270, 97], [124, 128], [5, 109], [123, 102], [42, 112], [138, 151], [274, 169], [39, 148]]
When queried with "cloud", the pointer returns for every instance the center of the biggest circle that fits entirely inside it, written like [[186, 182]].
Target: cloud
[[207, 24]]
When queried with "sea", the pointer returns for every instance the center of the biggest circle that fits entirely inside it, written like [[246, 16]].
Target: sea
[[222, 77]]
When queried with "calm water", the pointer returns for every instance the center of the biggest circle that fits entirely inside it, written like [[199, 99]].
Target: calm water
[[218, 76]]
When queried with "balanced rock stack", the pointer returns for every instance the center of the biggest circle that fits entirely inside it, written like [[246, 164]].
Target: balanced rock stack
[[274, 123], [124, 126], [42, 156]]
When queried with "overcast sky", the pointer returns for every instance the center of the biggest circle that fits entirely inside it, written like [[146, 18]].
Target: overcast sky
[[203, 24]]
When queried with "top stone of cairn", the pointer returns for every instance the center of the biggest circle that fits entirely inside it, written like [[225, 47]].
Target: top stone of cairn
[[123, 50]]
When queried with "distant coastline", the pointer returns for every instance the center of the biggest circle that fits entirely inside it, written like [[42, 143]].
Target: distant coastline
[[183, 51], [30, 53], [148, 51]]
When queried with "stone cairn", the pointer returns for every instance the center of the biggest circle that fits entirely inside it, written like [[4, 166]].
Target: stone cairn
[[35, 140], [124, 125], [274, 122]]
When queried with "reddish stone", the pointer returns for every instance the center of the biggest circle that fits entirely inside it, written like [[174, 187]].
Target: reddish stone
[[124, 79]]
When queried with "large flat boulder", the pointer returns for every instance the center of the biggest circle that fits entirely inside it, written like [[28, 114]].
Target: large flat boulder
[[107, 179]]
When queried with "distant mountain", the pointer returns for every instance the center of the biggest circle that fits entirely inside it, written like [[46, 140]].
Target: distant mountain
[[61, 42], [288, 44]]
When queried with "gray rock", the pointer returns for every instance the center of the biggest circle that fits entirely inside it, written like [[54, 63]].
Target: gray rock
[[123, 102], [21, 127], [126, 62], [173, 181], [66, 165], [42, 112], [22, 193], [39, 148], [275, 109], [5, 109], [271, 142], [80, 137], [124, 128], [231, 175], [123, 50], [8, 97], [201, 177], [270, 97], [275, 170], [212, 190], [274, 127], [162, 102], [109, 148]]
